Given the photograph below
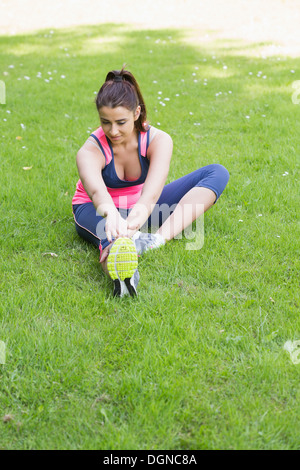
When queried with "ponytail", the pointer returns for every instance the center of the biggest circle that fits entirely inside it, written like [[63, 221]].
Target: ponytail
[[121, 89]]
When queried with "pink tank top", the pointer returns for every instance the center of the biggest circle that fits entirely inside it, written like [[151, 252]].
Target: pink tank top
[[124, 193]]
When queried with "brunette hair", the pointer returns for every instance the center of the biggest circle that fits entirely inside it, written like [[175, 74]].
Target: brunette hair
[[121, 89]]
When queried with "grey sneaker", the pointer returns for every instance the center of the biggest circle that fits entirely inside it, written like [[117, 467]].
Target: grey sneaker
[[147, 241]]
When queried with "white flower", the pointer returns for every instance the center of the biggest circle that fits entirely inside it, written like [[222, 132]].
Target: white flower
[[247, 117], [23, 126], [62, 76]]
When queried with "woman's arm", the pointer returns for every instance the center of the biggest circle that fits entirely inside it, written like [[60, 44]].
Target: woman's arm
[[90, 162], [159, 154]]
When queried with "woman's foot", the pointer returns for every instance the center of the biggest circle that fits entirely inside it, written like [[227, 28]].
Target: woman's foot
[[147, 241]]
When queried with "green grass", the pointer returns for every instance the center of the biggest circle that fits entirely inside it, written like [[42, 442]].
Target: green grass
[[197, 360]]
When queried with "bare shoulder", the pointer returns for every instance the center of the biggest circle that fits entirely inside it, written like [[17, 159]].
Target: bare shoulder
[[158, 136], [89, 153], [160, 148]]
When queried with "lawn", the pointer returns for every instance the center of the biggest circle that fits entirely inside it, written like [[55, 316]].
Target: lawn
[[197, 361]]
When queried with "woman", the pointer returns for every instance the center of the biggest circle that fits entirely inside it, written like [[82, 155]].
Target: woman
[[123, 167]]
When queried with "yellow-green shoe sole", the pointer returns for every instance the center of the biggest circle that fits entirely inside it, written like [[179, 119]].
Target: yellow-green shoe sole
[[122, 260]]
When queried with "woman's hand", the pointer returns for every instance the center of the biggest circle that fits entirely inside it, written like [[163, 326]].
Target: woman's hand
[[115, 226], [132, 227]]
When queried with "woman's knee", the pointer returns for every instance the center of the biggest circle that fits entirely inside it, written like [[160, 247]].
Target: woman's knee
[[216, 178], [220, 172]]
